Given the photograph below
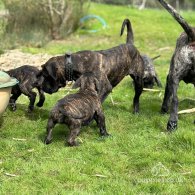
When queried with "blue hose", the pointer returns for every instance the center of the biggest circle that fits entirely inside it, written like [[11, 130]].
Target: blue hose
[[101, 20]]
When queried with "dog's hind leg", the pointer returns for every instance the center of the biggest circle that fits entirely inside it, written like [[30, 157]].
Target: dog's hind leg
[[74, 131], [50, 126], [13, 98], [31, 95], [138, 82], [172, 123], [157, 80], [100, 120], [41, 98], [167, 96]]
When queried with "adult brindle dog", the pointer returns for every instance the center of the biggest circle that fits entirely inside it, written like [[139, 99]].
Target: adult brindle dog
[[115, 63], [182, 66]]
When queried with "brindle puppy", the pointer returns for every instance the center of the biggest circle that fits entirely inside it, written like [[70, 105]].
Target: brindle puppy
[[115, 63], [182, 66], [27, 77], [150, 75], [78, 109]]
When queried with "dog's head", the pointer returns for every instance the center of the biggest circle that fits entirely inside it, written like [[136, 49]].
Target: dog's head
[[52, 74], [87, 81], [150, 76]]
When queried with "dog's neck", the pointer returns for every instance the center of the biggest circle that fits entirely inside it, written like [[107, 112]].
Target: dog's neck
[[68, 68], [89, 91]]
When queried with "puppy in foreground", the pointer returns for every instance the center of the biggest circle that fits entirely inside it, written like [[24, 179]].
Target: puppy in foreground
[[27, 77], [76, 110]]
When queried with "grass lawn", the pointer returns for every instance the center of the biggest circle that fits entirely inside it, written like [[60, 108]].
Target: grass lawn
[[139, 158]]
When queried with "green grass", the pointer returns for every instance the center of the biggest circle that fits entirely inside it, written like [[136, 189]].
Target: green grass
[[124, 163]]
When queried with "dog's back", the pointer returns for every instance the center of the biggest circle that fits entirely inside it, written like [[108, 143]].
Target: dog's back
[[83, 104], [24, 73]]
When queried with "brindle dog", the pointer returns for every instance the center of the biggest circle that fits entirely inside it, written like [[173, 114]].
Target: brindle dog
[[150, 75], [78, 109], [182, 66], [115, 63], [27, 77]]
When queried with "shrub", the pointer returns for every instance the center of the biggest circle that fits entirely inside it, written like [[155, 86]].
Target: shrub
[[55, 18]]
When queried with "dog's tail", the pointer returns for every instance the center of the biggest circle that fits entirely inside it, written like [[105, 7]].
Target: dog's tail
[[187, 28], [130, 38], [154, 58], [70, 114]]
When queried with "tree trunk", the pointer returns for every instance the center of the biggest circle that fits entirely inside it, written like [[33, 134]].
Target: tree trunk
[[142, 6]]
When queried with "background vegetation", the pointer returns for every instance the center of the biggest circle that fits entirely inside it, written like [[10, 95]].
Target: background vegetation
[[139, 158], [42, 20]]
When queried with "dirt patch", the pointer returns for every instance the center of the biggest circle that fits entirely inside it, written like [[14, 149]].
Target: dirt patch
[[16, 58]]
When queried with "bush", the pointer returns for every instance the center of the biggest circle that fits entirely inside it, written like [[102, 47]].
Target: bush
[[51, 18]]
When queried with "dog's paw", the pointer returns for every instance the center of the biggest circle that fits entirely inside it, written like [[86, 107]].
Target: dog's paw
[[39, 104], [13, 107], [105, 134], [171, 126], [74, 143], [47, 141], [30, 109], [136, 112], [164, 110]]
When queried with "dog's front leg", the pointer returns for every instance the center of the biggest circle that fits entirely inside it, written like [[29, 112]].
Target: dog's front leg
[[13, 98], [27, 90], [100, 120], [41, 98], [167, 96], [138, 90], [172, 123]]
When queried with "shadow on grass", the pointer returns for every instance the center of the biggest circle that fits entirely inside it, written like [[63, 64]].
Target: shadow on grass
[[186, 103], [36, 114], [60, 134]]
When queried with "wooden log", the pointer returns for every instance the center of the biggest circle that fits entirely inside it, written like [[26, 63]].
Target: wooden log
[[187, 111]]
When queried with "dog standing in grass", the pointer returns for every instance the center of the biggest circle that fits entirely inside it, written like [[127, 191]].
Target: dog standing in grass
[[79, 109], [27, 77], [115, 63], [182, 66]]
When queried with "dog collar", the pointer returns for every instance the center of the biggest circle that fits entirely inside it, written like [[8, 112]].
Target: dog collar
[[68, 67]]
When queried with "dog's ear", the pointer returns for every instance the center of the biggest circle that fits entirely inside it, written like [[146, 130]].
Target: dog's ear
[[77, 83], [39, 74], [51, 69]]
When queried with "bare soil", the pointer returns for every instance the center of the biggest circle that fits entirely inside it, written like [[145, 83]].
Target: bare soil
[[15, 58]]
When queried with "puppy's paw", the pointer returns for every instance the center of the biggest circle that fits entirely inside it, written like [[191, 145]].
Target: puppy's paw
[[30, 109], [171, 126], [47, 141], [105, 134], [164, 110], [136, 112], [39, 104], [13, 107], [74, 143]]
